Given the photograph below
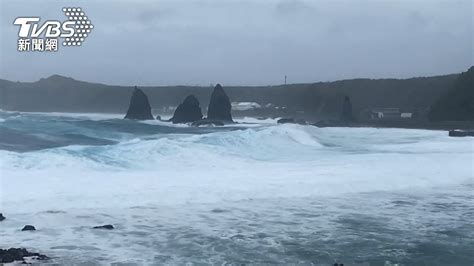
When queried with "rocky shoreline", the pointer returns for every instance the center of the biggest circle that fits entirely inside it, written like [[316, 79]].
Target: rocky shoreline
[[20, 254], [10, 255]]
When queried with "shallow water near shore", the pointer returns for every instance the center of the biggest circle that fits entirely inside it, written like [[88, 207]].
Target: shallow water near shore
[[257, 193]]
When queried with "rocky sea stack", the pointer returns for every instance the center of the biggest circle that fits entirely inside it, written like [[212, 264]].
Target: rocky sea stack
[[347, 115], [219, 106], [187, 112], [139, 108]]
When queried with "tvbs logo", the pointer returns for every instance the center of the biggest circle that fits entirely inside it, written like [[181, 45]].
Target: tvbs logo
[[39, 37]]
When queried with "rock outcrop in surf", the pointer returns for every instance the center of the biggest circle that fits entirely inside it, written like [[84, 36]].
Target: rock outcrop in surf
[[219, 106], [28, 228], [139, 108], [187, 112], [291, 121], [461, 133], [18, 254], [105, 226], [208, 122]]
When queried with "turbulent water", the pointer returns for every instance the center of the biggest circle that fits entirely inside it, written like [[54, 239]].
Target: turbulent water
[[252, 193]]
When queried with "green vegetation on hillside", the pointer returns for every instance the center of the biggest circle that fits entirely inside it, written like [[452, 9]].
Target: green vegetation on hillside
[[458, 103], [315, 101]]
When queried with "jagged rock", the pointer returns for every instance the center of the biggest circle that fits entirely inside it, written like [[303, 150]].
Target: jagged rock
[[188, 111], [28, 228], [139, 108], [461, 133], [219, 106], [346, 114], [18, 254], [208, 122], [2, 217], [106, 226], [291, 121]]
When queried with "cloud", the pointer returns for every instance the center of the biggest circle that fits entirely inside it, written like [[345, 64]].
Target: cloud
[[248, 42]]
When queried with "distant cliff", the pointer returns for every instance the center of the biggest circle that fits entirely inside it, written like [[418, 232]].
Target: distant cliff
[[62, 94], [457, 104]]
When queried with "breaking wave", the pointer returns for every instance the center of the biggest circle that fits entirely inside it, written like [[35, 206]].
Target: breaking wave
[[295, 194]]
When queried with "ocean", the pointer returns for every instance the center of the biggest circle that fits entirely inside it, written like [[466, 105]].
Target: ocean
[[251, 193]]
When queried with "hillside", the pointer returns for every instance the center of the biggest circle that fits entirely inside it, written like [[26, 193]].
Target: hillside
[[458, 103], [316, 100]]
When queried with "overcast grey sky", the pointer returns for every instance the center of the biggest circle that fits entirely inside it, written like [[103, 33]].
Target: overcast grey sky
[[247, 42]]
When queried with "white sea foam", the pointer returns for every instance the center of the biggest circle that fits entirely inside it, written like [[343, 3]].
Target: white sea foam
[[144, 182], [274, 161], [88, 116]]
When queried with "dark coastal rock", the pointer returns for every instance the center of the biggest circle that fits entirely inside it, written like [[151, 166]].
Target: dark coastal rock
[[28, 228], [2, 217], [331, 123], [291, 121], [219, 106], [321, 123], [286, 120], [139, 108], [18, 254], [461, 133], [347, 115], [208, 122], [106, 226], [187, 112]]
